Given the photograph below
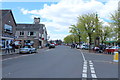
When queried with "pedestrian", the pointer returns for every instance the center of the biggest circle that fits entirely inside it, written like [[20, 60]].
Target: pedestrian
[[7, 51], [13, 47], [76, 45], [73, 45]]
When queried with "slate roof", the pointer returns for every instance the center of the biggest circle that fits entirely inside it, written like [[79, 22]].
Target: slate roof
[[30, 27], [4, 13]]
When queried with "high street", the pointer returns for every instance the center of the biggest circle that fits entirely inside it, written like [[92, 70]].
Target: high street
[[60, 62]]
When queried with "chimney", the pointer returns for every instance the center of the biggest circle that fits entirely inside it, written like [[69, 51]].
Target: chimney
[[36, 20]]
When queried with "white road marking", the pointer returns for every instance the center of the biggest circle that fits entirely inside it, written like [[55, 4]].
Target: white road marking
[[85, 61], [91, 65], [16, 57], [93, 75], [85, 71], [49, 50], [83, 56], [92, 70], [84, 75], [85, 65], [84, 68], [90, 61]]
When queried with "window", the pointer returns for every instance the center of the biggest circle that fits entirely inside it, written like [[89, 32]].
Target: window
[[31, 33], [8, 28], [22, 33]]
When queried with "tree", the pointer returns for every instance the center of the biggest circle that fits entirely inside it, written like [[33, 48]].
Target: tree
[[69, 39], [88, 23], [116, 22], [76, 32], [106, 33]]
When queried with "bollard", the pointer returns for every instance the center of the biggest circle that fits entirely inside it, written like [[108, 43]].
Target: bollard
[[115, 58]]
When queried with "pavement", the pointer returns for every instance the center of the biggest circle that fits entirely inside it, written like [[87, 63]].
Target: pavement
[[60, 62], [2, 52]]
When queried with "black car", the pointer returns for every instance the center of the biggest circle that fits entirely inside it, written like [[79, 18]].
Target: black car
[[51, 45]]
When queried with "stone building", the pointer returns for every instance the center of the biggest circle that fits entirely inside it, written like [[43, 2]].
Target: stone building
[[7, 28], [31, 34]]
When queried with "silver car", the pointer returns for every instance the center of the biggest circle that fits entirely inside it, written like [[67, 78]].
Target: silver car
[[27, 49]]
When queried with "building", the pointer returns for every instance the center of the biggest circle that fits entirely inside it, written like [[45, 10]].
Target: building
[[7, 28], [31, 34]]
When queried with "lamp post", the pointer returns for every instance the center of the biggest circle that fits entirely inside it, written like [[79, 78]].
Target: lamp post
[[78, 30], [97, 38]]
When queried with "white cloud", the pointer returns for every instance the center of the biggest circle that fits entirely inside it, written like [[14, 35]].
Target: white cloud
[[24, 11], [104, 22], [32, 16], [66, 12], [108, 8], [54, 36]]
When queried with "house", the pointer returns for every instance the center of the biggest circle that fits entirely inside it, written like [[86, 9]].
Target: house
[[31, 34], [7, 28]]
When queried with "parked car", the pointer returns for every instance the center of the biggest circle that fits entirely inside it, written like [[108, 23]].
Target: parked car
[[112, 49], [52, 45], [78, 46], [27, 49], [84, 47]]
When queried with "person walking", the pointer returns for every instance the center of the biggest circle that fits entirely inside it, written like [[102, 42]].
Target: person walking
[[13, 47], [7, 51]]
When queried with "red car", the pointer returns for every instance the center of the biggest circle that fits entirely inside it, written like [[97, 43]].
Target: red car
[[111, 49]]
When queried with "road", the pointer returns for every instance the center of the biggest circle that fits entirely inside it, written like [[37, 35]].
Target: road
[[61, 62]]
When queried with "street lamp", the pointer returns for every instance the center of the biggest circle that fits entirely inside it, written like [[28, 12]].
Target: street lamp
[[97, 38], [78, 30]]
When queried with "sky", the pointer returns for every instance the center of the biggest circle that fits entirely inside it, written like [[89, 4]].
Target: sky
[[58, 15]]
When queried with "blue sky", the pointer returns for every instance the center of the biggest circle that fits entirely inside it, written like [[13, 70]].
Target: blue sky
[[58, 15], [16, 6]]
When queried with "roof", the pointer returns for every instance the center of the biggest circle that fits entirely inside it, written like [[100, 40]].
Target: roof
[[110, 41], [30, 27], [4, 13]]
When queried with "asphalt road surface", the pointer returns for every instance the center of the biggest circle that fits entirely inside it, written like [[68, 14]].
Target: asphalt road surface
[[60, 62]]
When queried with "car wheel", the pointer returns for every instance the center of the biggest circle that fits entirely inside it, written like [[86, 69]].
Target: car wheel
[[30, 52]]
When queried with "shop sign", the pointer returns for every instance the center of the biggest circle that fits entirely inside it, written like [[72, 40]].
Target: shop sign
[[4, 35]]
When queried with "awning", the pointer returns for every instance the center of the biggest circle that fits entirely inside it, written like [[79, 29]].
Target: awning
[[7, 38], [110, 41]]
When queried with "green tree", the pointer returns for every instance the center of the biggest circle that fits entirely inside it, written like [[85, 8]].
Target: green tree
[[88, 23], [75, 32], [69, 39], [106, 32], [115, 17]]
